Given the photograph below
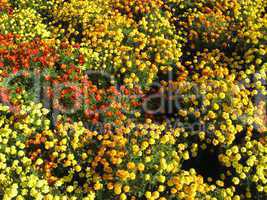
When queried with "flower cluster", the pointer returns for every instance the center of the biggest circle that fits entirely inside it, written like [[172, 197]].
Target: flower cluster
[[24, 21], [247, 163], [76, 162], [133, 99]]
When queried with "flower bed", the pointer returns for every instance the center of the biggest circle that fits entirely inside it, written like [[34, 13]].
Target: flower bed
[[133, 99]]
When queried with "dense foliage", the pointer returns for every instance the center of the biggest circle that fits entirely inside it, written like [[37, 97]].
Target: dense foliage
[[133, 99]]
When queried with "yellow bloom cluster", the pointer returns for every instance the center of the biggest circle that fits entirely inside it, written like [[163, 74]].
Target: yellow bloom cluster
[[248, 162], [23, 21], [134, 51], [216, 100], [18, 178], [208, 60], [131, 161], [74, 17]]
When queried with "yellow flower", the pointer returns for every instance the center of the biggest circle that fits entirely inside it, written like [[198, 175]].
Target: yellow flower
[[260, 188], [131, 165], [122, 174], [235, 180], [123, 196], [141, 167], [161, 188], [117, 188], [137, 114], [216, 106], [69, 189], [147, 177], [186, 155], [235, 149], [132, 176], [202, 135], [97, 186], [78, 168], [144, 145], [155, 195], [222, 95], [126, 188], [148, 194], [123, 70], [161, 178], [39, 161]]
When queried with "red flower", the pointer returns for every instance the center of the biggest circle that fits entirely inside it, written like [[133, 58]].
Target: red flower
[[47, 78], [87, 101], [109, 114], [98, 97], [35, 51], [4, 96], [88, 112], [15, 71]]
